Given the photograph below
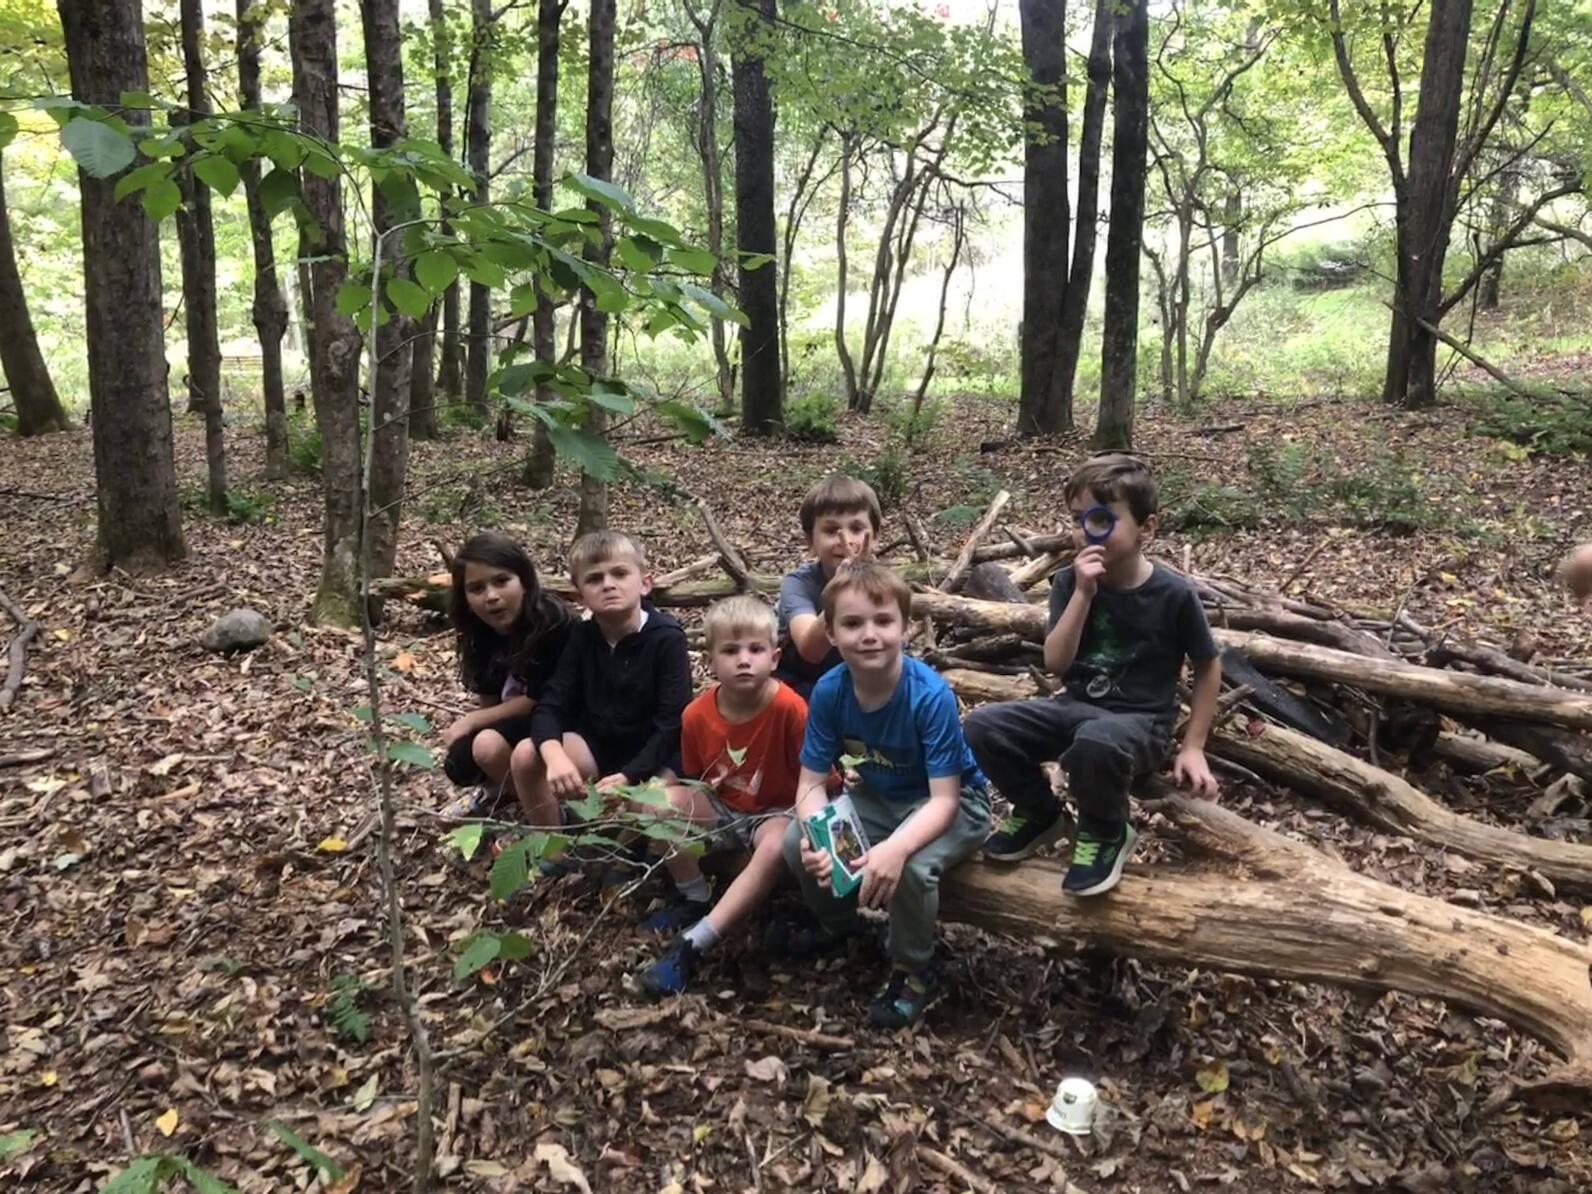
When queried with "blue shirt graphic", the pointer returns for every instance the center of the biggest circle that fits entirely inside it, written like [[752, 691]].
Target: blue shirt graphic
[[914, 737]]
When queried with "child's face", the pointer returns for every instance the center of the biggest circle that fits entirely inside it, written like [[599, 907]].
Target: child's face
[[868, 633], [743, 662], [837, 538], [613, 588], [1128, 534], [495, 595]]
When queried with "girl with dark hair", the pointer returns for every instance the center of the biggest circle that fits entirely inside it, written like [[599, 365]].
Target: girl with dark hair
[[510, 633]]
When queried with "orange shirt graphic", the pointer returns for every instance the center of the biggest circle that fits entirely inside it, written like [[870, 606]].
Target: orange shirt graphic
[[752, 767]]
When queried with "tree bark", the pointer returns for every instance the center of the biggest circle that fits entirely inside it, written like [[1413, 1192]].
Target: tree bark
[[540, 463], [140, 527], [269, 311], [762, 399], [848, 368], [197, 238], [593, 514], [712, 163], [478, 155], [450, 373], [38, 407], [1129, 142], [389, 464], [334, 341]]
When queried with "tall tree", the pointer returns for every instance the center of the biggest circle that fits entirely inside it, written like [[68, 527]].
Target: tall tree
[[450, 374], [1056, 298], [599, 164], [478, 156], [334, 341], [270, 305], [140, 526], [1130, 110], [540, 462], [197, 238], [38, 407], [762, 399], [711, 158], [391, 205]]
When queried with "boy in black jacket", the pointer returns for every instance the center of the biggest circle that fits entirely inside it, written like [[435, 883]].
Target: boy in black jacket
[[611, 711]]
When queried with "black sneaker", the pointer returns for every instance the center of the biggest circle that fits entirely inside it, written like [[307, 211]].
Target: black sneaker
[[903, 1000], [799, 942], [1097, 863], [670, 973], [1021, 835], [676, 915]]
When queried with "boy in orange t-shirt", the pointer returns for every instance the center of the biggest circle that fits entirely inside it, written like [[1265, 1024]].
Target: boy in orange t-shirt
[[742, 740]]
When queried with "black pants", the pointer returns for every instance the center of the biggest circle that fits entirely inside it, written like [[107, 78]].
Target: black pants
[[1101, 751], [460, 765]]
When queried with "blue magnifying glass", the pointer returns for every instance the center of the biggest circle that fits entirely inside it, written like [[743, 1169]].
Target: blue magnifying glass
[[1097, 523]]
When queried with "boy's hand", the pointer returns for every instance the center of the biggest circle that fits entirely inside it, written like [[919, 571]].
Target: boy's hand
[[563, 777], [609, 782], [881, 874], [1192, 771], [458, 729], [816, 863], [1088, 566]]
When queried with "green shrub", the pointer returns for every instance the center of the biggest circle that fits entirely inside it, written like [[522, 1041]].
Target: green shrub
[[890, 473], [810, 418], [1550, 426], [305, 452], [1384, 496], [243, 505]]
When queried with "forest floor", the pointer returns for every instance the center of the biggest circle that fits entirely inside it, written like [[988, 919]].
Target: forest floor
[[177, 918]]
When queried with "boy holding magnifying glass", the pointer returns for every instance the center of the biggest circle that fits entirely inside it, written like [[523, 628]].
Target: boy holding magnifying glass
[[1120, 628]]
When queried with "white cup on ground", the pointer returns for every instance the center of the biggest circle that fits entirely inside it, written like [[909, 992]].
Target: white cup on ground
[[1073, 1109]]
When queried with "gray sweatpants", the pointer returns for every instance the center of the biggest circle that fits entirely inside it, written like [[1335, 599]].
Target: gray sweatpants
[[916, 905], [1101, 751]]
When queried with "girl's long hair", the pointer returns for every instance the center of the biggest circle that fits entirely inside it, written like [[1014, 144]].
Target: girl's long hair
[[540, 614]]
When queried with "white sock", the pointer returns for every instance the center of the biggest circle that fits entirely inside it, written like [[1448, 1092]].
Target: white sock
[[702, 935], [696, 890]]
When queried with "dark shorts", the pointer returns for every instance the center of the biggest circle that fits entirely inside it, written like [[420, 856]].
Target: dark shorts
[[460, 765]]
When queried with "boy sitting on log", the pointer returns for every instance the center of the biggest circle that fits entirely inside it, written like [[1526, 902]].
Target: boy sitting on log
[[840, 517], [918, 796], [1120, 628]]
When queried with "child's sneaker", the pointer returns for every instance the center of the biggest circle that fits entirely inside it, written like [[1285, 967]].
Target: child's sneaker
[[1097, 863], [676, 915], [670, 973], [903, 999], [1020, 836], [476, 804]]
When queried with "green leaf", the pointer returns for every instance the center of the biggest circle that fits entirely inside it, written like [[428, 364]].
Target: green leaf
[[411, 753], [633, 253], [755, 261], [352, 298], [659, 231], [217, 173], [136, 180], [279, 190], [601, 191], [522, 300], [15, 1142], [138, 99], [99, 150], [479, 952], [144, 1176], [468, 838], [162, 147], [592, 454], [608, 396], [510, 871], [202, 1180], [409, 297], [413, 721], [698, 261], [362, 714], [587, 808], [8, 129], [714, 304], [161, 200], [285, 150], [695, 422], [320, 163], [488, 273], [329, 1169], [436, 270]]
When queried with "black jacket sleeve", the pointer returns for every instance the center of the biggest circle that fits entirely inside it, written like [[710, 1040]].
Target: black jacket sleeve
[[563, 698], [671, 694]]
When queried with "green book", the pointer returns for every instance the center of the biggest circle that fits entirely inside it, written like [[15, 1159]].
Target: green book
[[837, 829]]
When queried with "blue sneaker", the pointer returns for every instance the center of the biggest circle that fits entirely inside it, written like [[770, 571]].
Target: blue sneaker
[[1097, 862], [670, 973], [676, 915], [903, 1000]]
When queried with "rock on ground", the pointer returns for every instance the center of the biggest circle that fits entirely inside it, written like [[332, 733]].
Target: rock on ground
[[236, 630]]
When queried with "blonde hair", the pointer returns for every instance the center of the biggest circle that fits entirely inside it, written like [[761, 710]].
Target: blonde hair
[[596, 546], [839, 494], [740, 615], [879, 584]]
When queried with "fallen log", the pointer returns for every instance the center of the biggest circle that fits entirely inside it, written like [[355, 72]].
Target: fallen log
[[964, 558], [1558, 748], [1480, 754], [1291, 912], [27, 630], [991, 582]]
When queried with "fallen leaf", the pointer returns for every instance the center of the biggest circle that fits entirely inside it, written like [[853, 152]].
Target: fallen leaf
[[404, 662], [873, 1177], [701, 1132], [768, 1069], [49, 1078], [366, 1094], [1212, 1079], [164, 766], [563, 1170], [332, 845], [816, 1105], [1201, 1113], [167, 1123]]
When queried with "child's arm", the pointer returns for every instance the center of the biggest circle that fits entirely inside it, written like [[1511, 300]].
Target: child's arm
[[1061, 644], [1191, 767], [561, 702], [811, 796], [671, 694], [810, 637], [883, 863]]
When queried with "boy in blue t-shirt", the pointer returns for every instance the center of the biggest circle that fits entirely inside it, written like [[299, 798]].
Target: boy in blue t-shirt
[[919, 795]]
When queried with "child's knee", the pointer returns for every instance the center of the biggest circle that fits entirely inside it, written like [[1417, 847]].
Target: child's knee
[[488, 747], [918, 879], [1096, 751], [977, 729], [525, 759]]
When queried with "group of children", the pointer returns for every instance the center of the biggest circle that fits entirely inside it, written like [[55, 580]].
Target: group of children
[[819, 697]]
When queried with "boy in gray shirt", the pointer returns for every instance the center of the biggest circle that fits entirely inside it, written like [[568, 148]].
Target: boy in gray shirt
[[1120, 628]]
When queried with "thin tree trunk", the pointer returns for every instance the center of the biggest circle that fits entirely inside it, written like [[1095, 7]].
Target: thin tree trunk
[[711, 161], [334, 341], [842, 214], [140, 527], [423, 378], [450, 374], [541, 463], [762, 399], [1182, 295], [1129, 144], [1046, 212], [1499, 214], [197, 236], [593, 514], [269, 312], [39, 409], [800, 198], [1232, 218], [958, 238], [1163, 304], [389, 465], [478, 152]]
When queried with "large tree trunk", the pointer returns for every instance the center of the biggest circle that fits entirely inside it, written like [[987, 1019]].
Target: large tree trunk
[[762, 401], [197, 237], [593, 514], [38, 407], [1428, 208], [140, 526], [541, 463], [270, 307], [1119, 349], [389, 465], [1046, 211], [334, 341], [712, 163], [478, 156], [423, 389]]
